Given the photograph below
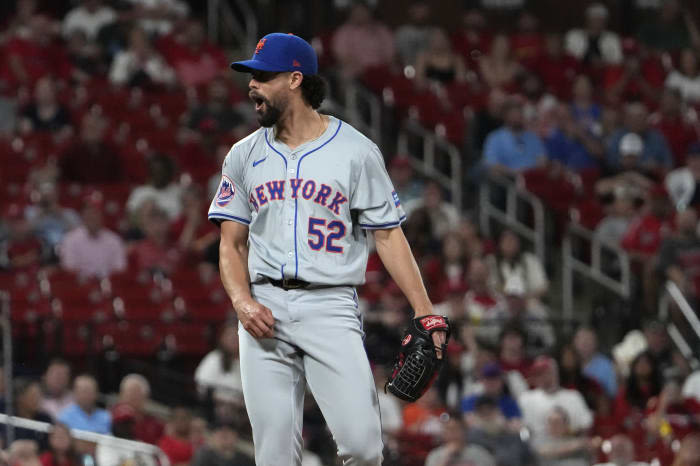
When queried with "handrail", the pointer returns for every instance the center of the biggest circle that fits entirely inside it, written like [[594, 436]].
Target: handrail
[[509, 217], [7, 350], [673, 293], [245, 30], [355, 96], [102, 439], [594, 270], [426, 164]]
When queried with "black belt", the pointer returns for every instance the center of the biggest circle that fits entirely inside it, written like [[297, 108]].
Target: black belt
[[289, 283]]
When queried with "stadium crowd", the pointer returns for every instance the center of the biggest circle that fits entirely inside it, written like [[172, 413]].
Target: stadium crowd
[[114, 121]]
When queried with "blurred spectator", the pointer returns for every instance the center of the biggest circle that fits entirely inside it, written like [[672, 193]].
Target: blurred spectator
[[412, 38], [220, 370], [23, 453], [638, 77], [56, 388], [510, 263], [472, 40], [89, 17], [156, 252], [362, 42], [91, 250], [193, 232], [571, 374], [176, 443], [443, 215], [670, 30], [85, 56], [424, 415], [488, 118], [456, 451], [527, 42], [513, 359], [556, 68], [584, 109], [494, 387], [530, 313], [621, 453], [129, 417], [631, 178], [680, 254], [655, 153], [689, 452], [481, 303], [389, 406], [447, 270], [140, 64], [595, 45], [216, 114], [644, 382], [438, 63], [476, 245], [511, 148], [222, 449], [489, 429], [28, 405], [196, 60], [612, 228], [536, 404], [686, 78], [199, 432], [83, 413], [45, 113], [595, 365], [659, 345], [21, 248], [671, 121], [158, 17], [498, 69], [61, 449], [682, 183], [91, 159], [670, 413], [572, 144], [161, 188], [49, 220], [561, 448], [407, 184]]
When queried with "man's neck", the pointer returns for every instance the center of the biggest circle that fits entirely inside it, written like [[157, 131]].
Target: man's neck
[[87, 409], [300, 125]]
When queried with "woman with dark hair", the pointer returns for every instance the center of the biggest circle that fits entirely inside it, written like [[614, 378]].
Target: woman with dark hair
[[219, 371], [571, 376], [645, 382], [61, 450], [447, 271], [28, 406]]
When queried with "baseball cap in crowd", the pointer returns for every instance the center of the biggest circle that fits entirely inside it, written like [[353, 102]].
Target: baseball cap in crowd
[[631, 144], [279, 52], [491, 371]]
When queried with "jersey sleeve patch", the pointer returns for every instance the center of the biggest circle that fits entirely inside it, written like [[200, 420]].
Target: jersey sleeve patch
[[397, 202], [226, 191]]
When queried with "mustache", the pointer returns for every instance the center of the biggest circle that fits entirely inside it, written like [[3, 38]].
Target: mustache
[[255, 96]]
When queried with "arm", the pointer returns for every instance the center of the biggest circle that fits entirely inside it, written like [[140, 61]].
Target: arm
[[233, 263], [395, 253]]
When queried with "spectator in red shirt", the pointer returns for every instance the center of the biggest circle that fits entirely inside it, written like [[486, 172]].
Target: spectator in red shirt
[[481, 303], [512, 355], [555, 68], [472, 41], [22, 248], [193, 232], [196, 61], [449, 268], [527, 42], [176, 442], [674, 125], [644, 382], [61, 449], [156, 253], [92, 159], [129, 417]]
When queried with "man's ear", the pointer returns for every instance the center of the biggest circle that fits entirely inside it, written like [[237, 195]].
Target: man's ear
[[295, 79]]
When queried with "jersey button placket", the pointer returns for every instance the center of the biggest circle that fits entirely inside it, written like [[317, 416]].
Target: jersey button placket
[[289, 234]]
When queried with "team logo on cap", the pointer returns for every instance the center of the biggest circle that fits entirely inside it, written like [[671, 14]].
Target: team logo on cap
[[226, 191], [261, 44], [296, 64]]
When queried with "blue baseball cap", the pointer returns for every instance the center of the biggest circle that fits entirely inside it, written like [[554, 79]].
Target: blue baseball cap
[[280, 52]]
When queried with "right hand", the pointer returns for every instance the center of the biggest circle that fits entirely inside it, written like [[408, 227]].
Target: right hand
[[255, 318]]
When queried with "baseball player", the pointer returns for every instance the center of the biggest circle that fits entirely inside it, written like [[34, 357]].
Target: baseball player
[[296, 202]]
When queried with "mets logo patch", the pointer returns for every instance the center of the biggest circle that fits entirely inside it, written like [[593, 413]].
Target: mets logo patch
[[261, 44], [226, 191], [396, 198]]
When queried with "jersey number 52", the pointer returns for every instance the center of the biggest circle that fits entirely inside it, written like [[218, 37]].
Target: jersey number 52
[[318, 238]]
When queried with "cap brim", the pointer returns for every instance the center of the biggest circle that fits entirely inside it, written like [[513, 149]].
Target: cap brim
[[246, 66]]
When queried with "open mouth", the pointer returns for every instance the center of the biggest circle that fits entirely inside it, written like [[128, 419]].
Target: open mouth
[[259, 102]]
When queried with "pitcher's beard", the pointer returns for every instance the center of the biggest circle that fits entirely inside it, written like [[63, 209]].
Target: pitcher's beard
[[269, 116]]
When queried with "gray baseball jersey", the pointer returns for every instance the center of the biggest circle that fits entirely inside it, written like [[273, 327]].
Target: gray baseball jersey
[[308, 208]]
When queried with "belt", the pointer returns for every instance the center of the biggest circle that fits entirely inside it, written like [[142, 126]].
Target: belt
[[288, 283]]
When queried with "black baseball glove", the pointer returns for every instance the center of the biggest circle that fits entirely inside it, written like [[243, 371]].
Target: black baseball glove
[[417, 364]]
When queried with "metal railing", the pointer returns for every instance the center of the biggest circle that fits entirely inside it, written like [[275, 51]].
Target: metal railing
[[364, 111], [673, 295], [242, 27], [594, 270], [425, 159], [130, 448], [509, 215]]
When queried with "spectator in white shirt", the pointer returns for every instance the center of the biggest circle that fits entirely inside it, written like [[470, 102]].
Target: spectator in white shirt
[[161, 189], [91, 250], [88, 18], [158, 17], [57, 394], [220, 370], [538, 403], [444, 216], [140, 64], [686, 78], [682, 183], [595, 44]]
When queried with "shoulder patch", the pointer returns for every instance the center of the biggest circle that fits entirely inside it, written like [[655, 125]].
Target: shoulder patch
[[397, 202], [226, 191]]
